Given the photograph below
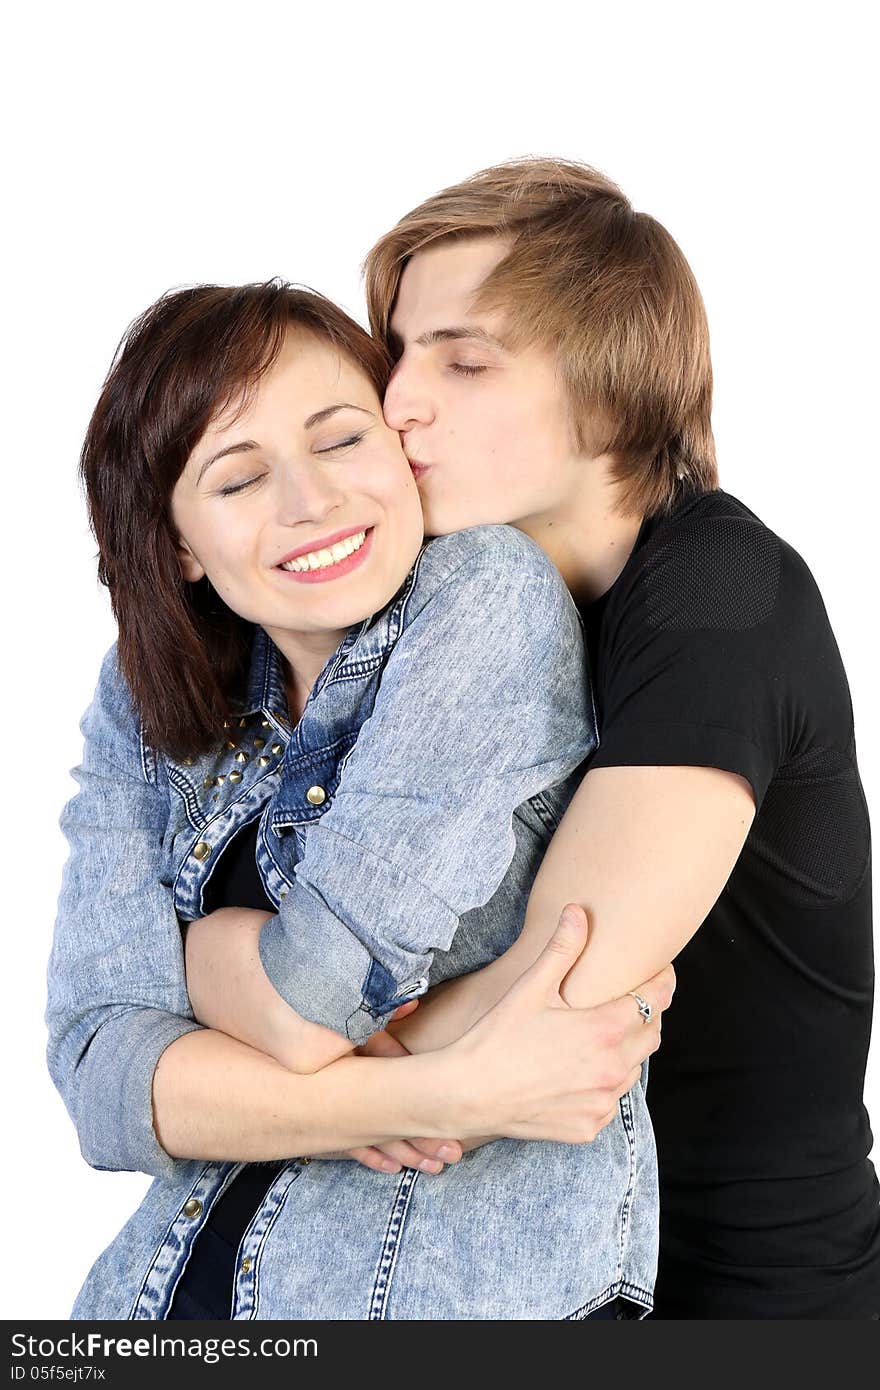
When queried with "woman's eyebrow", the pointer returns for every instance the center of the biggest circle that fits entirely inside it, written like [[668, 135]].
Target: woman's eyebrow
[[244, 446], [321, 415], [247, 446]]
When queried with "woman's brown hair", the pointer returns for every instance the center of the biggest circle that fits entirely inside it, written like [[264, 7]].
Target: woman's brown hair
[[604, 287], [193, 354]]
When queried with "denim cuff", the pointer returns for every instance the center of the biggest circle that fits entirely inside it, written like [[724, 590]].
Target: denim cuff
[[354, 938], [114, 1106]]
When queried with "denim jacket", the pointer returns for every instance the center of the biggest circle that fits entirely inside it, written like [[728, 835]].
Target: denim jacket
[[401, 824]]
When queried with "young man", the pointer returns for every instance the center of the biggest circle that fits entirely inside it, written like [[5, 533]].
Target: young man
[[552, 363]]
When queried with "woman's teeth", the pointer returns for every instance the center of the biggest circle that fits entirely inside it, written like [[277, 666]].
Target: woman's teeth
[[320, 559]]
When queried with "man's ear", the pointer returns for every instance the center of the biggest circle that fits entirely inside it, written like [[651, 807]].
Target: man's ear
[[191, 568]]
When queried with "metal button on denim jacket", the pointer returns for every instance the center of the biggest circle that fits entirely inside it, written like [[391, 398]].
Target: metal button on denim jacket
[[401, 823]]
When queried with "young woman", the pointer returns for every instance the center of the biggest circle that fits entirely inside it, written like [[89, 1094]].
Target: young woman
[[340, 756]]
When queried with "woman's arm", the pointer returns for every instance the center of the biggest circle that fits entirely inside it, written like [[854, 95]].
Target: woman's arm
[[524, 1071], [116, 991], [279, 1033], [451, 1008], [229, 990], [117, 1001], [215, 1097]]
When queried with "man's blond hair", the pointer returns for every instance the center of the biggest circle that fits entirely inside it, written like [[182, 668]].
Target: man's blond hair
[[607, 289]]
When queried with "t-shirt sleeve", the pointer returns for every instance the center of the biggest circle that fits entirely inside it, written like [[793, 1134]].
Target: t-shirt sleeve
[[711, 653]]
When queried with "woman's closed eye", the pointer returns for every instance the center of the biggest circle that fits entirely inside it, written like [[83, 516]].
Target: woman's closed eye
[[238, 487], [346, 443], [343, 443]]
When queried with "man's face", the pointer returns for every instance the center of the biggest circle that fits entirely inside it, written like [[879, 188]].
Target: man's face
[[485, 429]]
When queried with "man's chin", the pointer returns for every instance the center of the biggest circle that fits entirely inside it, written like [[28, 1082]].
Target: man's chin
[[442, 521], [437, 526]]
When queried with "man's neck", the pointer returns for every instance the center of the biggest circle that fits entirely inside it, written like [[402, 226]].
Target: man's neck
[[591, 542]]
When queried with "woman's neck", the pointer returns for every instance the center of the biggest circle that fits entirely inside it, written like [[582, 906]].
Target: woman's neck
[[305, 654]]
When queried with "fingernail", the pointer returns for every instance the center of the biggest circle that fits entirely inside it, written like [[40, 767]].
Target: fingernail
[[446, 1151], [389, 1167], [429, 1165]]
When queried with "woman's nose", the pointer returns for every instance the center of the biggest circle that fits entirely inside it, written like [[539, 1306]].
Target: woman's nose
[[407, 401], [309, 493]]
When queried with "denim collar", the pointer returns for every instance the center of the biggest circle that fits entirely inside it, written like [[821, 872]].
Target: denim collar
[[266, 689]]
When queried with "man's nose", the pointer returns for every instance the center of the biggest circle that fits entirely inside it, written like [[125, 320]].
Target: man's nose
[[407, 401]]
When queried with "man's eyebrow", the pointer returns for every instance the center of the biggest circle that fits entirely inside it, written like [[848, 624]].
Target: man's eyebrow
[[247, 446], [449, 335]]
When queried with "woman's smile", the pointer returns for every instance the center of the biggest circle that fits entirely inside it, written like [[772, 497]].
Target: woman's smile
[[329, 560]]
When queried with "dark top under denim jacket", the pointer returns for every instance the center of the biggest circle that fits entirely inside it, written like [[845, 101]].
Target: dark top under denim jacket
[[441, 744]]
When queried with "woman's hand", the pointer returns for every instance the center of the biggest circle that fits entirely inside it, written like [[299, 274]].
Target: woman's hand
[[533, 1067]]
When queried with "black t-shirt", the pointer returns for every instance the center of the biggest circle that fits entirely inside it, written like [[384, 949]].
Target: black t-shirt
[[236, 880], [713, 649]]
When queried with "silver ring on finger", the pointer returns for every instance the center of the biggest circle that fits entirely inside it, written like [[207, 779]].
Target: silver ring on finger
[[645, 1008]]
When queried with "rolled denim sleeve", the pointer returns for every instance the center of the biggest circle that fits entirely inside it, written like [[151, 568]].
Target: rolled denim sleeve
[[116, 983], [484, 702]]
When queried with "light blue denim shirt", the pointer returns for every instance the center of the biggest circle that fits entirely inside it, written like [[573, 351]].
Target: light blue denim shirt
[[445, 736]]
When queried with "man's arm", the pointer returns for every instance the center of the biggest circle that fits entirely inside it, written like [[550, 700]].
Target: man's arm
[[647, 851], [703, 656]]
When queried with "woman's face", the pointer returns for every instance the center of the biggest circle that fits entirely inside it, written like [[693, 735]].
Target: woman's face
[[310, 470], [484, 429]]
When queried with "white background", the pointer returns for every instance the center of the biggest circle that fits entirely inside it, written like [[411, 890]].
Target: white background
[[156, 146]]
